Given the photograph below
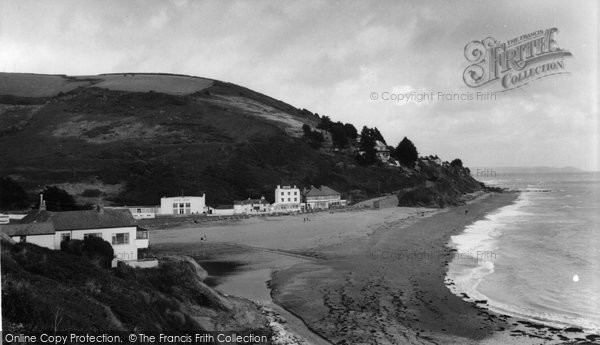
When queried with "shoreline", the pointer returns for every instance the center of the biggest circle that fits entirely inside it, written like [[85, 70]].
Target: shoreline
[[370, 275], [424, 309], [331, 276]]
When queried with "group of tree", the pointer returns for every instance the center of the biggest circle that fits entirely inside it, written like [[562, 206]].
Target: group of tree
[[368, 141], [12, 195], [314, 138], [341, 133]]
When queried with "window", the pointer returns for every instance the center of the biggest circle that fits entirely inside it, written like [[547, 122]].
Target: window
[[281, 193], [22, 239], [295, 199], [174, 205], [93, 234], [289, 199], [289, 193], [65, 237], [122, 238], [295, 193], [139, 210]]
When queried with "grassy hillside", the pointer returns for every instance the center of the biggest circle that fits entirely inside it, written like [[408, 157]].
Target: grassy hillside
[[45, 290], [120, 135]]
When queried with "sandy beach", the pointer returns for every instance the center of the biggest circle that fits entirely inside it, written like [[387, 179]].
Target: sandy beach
[[360, 276]]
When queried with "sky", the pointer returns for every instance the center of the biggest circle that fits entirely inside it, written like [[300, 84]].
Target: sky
[[330, 57]]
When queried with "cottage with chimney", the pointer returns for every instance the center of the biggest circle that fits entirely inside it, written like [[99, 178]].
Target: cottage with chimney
[[251, 206], [116, 226]]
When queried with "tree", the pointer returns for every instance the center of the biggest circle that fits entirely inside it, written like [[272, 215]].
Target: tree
[[306, 128], [377, 135], [350, 131], [406, 153], [456, 163], [338, 135], [12, 195], [325, 123], [314, 138], [367, 146], [58, 199]]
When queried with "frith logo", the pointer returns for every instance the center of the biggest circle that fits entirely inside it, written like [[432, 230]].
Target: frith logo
[[516, 62]]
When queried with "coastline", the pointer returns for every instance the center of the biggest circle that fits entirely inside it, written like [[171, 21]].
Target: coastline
[[360, 276]]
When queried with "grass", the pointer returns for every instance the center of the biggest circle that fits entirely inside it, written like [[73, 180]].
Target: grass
[[225, 140], [38, 284]]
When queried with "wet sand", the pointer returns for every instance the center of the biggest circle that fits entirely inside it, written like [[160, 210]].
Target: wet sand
[[363, 276]]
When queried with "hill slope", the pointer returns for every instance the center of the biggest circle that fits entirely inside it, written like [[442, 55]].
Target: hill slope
[[45, 290], [137, 137]]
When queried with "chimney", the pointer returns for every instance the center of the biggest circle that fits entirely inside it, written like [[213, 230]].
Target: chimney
[[42, 202]]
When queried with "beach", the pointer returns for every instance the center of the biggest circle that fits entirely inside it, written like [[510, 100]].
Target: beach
[[372, 276]]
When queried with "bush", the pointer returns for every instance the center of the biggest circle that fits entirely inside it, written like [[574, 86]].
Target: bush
[[91, 193], [72, 247], [94, 248], [97, 248]]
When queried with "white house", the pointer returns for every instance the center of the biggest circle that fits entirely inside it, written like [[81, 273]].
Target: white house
[[322, 198], [251, 206], [6, 218], [383, 152], [183, 205], [117, 227], [221, 210], [287, 199]]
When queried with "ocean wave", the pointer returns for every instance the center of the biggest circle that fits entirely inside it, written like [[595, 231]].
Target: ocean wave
[[467, 276]]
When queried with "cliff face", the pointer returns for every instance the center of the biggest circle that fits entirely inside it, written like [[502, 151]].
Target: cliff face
[[439, 186], [133, 138], [46, 290]]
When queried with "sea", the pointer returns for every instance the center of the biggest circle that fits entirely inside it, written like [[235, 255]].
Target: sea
[[538, 258]]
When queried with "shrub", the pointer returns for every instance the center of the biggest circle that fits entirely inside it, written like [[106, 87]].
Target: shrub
[[72, 247], [91, 193], [97, 248]]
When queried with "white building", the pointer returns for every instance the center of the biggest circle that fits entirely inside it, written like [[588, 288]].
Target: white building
[[383, 152], [183, 205], [117, 227], [287, 199], [251, 206], [322, 198], [221, 210]]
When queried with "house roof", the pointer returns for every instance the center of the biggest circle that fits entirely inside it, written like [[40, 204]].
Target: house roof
[[251, 202], [323, 191], [19, 229], [81, 220]]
